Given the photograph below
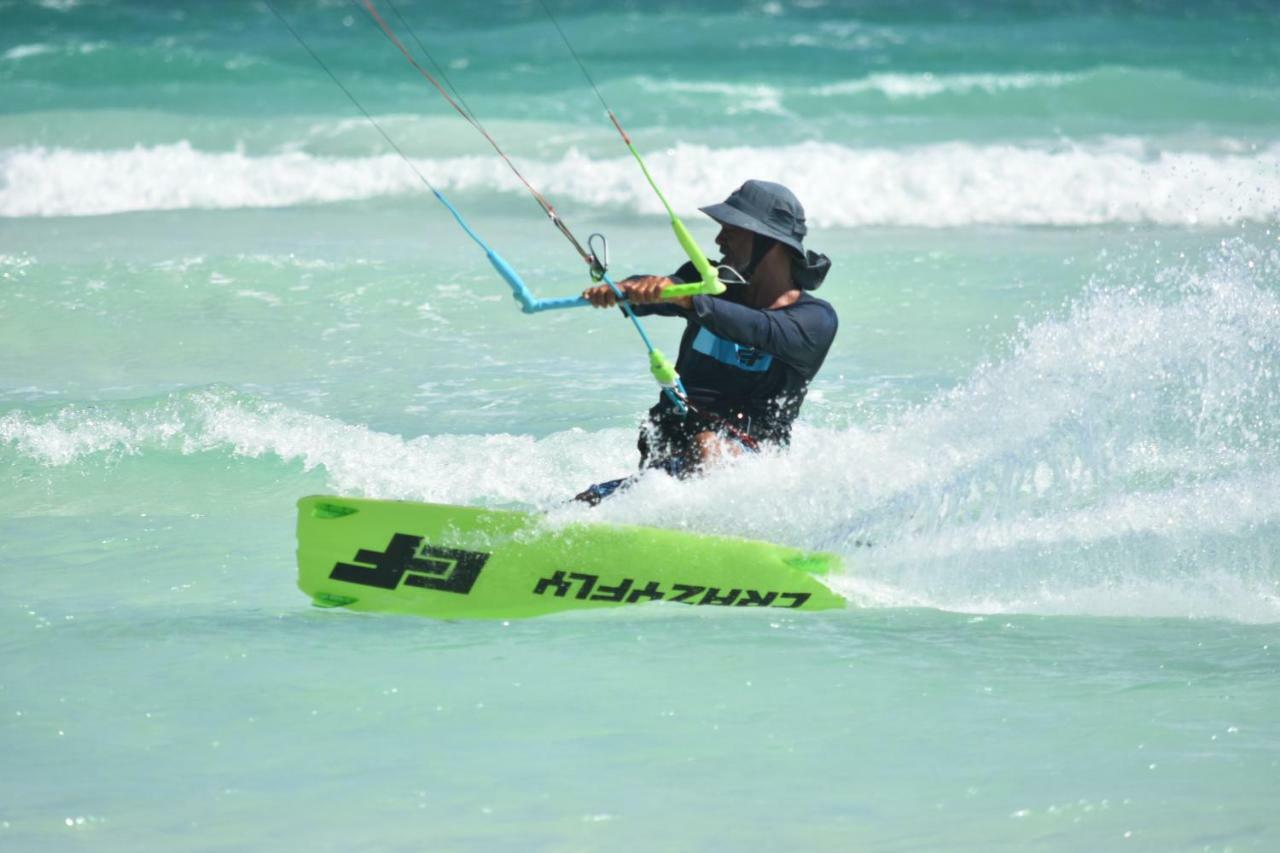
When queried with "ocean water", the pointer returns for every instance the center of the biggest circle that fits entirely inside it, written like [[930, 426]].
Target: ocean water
[[1053, 408]]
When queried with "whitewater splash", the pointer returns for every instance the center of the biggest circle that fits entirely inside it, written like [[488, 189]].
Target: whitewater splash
[[1122, 180], [1124, 460]]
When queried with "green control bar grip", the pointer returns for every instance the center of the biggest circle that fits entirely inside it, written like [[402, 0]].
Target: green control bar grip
[[710, 284], [700, 288], [662, 369]]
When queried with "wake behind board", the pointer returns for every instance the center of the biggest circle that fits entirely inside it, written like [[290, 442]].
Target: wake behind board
[[453, 562]]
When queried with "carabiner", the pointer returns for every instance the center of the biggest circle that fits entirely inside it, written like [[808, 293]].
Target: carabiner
[[600, 259]]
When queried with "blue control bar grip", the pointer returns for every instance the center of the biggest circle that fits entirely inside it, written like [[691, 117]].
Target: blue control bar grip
[[529, 303]]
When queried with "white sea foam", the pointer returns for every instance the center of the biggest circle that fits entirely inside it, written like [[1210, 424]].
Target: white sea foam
[[1124, 180], [771, 98], [926, 84], [1211, 594], [23, 51], [738, 97]]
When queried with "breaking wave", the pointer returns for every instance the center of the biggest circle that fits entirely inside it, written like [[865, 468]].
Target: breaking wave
[[493, 469], [1123, 180]]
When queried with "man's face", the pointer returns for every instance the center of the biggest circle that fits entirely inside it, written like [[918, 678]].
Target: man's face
[[735, 246]]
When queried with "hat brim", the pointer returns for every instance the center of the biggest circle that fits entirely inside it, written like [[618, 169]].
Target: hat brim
[[726, 215]]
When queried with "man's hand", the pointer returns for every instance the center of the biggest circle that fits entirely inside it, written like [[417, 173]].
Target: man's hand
[[639, 289]]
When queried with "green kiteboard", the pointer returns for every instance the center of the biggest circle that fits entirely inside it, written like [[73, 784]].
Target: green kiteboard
[[454, 562]]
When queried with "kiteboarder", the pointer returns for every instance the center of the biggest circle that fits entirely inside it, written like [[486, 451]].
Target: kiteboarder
[[747, 356]]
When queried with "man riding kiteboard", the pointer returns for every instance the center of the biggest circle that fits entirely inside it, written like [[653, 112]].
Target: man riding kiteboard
[[748, 355]]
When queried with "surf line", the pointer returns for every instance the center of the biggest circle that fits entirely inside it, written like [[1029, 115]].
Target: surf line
[[661, 367]]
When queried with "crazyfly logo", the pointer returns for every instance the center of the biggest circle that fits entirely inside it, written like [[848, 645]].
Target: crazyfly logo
[[419, 564]]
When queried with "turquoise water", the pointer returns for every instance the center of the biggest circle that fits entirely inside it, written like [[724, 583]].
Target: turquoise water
[[1052, 408]]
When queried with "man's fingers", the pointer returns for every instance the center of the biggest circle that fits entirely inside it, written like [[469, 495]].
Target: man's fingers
[[645, 289], [640, 289], [601, 296]]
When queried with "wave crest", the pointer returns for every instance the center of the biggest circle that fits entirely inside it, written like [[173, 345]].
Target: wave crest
[[942, 185]]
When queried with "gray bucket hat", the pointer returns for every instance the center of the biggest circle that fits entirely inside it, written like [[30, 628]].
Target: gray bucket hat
[[762, 207]]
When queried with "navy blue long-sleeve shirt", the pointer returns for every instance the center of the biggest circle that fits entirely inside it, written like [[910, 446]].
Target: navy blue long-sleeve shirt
[[747, 364]]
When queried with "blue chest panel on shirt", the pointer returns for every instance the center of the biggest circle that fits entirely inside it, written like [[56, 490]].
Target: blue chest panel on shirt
[[734, 355]]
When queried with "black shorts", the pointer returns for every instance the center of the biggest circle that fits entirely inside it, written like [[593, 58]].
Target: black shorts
[[668, 439]]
